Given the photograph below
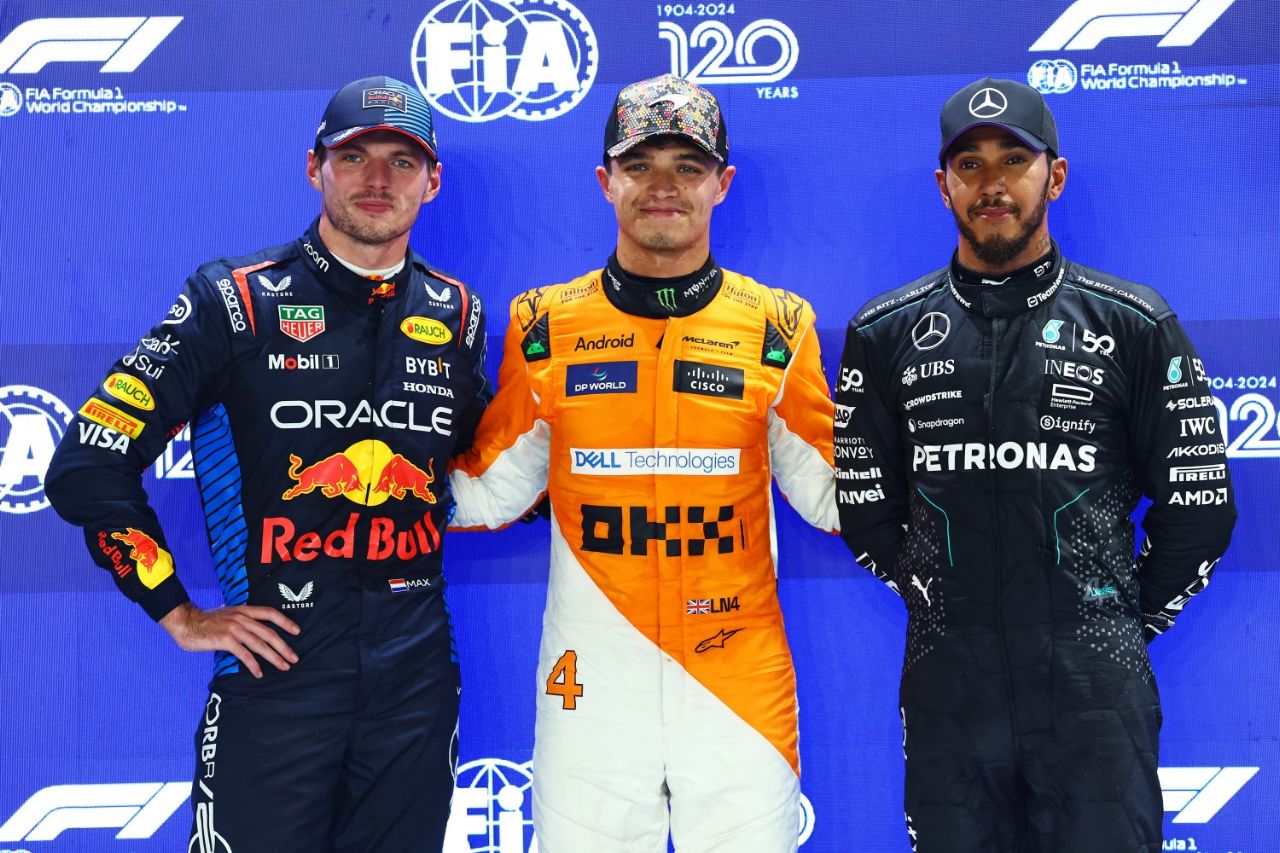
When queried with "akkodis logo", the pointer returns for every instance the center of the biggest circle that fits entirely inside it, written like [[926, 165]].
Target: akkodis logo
[[32, 422], [1086, 23], [121, 44], [479, 60]]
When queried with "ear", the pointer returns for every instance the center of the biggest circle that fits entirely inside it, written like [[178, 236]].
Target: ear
[[940, 175], [603, 178], [313, 169], [726, 178], [1057, 178], [433, 184]]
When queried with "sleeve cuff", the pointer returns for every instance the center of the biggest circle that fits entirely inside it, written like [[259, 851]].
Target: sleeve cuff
[[161, 600]]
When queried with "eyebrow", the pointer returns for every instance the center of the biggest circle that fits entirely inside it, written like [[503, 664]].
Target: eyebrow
[[1006, 144], [638, 153], [408, 150]]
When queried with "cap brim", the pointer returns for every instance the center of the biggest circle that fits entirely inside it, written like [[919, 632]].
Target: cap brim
[[632, 141], [342, 137], [1030, 140]]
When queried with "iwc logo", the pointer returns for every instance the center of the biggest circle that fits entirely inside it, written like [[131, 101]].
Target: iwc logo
[[479, 60]]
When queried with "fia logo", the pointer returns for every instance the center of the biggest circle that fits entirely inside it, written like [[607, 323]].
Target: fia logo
[[32, 422], [480, 60]]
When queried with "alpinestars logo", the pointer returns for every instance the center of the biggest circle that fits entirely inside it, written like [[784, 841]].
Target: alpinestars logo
[[1086, 23]]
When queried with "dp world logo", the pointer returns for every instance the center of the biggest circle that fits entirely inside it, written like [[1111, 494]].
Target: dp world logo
[[1053, 76], [478, 60]]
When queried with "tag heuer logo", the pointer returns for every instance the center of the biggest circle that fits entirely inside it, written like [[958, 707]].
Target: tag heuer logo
[[301, 322]]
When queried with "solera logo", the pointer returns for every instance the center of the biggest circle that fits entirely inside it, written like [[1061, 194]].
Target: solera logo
[[121, 44], [1086, 23]]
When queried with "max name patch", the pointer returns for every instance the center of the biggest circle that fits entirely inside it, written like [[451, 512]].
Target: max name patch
[[710, 380]]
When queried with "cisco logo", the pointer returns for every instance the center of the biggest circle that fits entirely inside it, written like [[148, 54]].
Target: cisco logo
[[480, 60]]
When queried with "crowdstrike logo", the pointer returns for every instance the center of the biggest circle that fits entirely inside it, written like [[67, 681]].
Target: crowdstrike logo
[[1086, 23], [480, 60], [121, 44]]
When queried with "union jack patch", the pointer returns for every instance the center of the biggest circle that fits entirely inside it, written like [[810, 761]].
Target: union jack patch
[[697, 605]]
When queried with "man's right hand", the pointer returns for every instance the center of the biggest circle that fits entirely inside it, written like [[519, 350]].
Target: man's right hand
[[239, 630]]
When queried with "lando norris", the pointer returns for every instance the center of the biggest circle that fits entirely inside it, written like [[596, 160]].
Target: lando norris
[[327, 382], [996, 423]]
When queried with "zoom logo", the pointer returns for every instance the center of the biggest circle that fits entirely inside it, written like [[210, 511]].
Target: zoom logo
[[480, 60]]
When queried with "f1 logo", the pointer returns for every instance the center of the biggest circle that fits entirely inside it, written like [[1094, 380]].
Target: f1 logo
[[1199, 793], [121, 44], [139, 809], [1086, 23]]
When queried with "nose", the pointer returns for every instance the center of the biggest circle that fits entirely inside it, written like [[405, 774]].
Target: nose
[[378, 173], [993, 182], [663, 183]]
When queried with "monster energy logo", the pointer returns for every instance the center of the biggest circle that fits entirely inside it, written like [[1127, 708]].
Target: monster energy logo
[[667, 298]]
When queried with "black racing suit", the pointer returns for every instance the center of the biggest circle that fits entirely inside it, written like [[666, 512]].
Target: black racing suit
[[324, 408], [992, 441]]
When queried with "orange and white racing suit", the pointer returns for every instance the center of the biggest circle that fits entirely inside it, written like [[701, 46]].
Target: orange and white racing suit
[[664, 669]]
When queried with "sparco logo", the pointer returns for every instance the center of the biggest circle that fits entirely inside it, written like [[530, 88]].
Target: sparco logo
[[479, 60], [1086, 23], [232, 301], [121, 44]]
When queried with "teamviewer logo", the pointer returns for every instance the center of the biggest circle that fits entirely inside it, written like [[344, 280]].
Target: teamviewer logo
[[121, 44], [1199, 793], [1085, 23]]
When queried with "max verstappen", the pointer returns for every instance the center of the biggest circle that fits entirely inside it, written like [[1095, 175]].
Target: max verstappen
[[997, 422], [327, 382]]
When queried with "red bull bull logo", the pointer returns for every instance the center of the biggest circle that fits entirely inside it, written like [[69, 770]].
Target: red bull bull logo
[[153, 563], [400, 477], [384, 290], [334, 475], [351, 472]]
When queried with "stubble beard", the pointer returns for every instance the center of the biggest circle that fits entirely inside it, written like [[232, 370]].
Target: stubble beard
[[368, 233], [997, 251]]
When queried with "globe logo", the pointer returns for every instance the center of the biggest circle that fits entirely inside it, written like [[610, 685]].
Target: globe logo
[[32, 422], [480, 60], [1052, 76], [492, 808], [10, 99]]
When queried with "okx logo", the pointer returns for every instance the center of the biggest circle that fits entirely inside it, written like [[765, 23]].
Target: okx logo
[[479, 60], [32, 422], [120, 44], [1086, 23]]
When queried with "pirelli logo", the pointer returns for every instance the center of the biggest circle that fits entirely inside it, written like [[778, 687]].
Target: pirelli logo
[[1197, 473], [112, 418]]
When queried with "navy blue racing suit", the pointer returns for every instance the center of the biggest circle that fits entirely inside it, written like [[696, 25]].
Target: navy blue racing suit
[[992, 441], [324, 408]]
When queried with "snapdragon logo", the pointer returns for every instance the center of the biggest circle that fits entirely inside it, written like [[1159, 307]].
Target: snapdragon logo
[[1086, 23], [480, 60], [652, 460]]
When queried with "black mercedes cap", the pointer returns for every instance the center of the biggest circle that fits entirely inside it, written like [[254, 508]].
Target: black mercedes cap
[[377, 103], [1014, 106]]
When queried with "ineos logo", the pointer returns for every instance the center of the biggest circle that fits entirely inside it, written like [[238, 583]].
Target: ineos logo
[[988, 103], [931, 331]]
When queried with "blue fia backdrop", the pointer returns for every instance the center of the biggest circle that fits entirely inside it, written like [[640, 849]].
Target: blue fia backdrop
[[139, 138]]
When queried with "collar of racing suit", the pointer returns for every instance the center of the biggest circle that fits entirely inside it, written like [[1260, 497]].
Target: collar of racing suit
[[647, 296], [1021, 290], [344, 282]]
